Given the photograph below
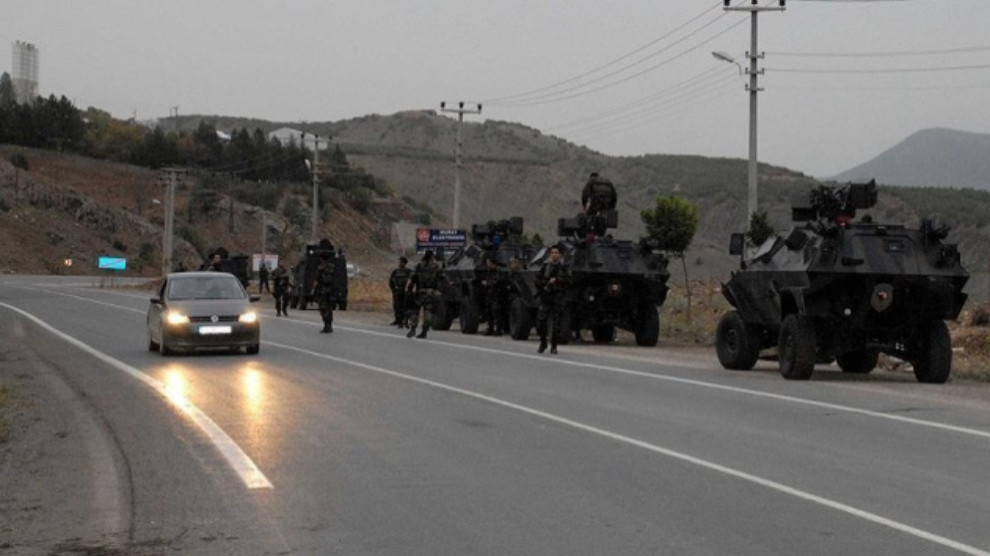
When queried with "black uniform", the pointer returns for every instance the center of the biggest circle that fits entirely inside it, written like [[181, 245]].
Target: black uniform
[[551, 284], [598, 197], [280, 290], [325, 292], [425, 280], [493, 287], [397, 283], [263, 279]]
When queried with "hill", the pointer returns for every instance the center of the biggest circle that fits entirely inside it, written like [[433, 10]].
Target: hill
[[931, 157]]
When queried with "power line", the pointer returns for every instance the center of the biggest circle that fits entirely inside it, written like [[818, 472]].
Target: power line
[[546, 99], [889, 54], [883, 70], [498, 100]]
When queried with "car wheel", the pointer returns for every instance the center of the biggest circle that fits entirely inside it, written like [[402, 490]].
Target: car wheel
[[796, 346], [737, 345], [152, 345], [163, 347], [253, 349], [933, 359]]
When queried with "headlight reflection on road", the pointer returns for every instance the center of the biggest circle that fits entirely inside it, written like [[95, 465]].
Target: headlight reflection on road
[[254, 390], [176, 386]]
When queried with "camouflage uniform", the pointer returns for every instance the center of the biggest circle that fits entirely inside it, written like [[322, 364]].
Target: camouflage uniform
[[598, 197], [325, 292], [425, 280], [280, 290], [494, 291]]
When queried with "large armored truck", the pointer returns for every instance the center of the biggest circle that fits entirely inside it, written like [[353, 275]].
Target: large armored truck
[[839, 289], [304, 275], [235, 264], [465, 269], [614, 284]]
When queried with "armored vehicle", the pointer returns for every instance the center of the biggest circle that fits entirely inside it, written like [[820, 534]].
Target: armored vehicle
[[235, 264], [304, 274], [835, 288], [614, 284], [465, 277]]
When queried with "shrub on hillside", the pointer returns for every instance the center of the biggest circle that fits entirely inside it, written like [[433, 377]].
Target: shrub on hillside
[[20, 161]]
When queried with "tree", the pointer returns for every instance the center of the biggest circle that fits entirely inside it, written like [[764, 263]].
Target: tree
[[670, 226], [7, 95], [760, 229]]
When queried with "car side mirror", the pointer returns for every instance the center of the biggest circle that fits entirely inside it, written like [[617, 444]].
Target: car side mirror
[[254, 298], [156, 300], [737, 242]]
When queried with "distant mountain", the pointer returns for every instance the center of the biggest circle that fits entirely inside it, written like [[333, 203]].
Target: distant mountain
[[931, 157]]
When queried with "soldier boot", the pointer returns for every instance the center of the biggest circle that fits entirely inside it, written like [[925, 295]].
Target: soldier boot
[[412, 331], [543, 345], [422, 334]]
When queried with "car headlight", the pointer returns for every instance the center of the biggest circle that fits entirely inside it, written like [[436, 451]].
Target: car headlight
[[176, 318], [248, 317]]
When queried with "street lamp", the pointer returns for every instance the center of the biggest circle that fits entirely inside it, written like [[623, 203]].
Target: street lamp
[[725, 57]]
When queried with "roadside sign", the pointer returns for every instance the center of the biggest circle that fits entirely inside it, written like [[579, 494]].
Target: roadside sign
[[269, 259], [439, 238], [112, 263]]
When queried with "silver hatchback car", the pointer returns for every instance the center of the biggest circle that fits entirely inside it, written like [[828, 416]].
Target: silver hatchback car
[[202, 310]]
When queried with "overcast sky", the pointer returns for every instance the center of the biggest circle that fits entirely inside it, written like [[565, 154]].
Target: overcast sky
[[623, 77]]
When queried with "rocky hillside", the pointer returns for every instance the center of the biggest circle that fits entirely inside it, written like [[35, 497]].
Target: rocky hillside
[[71, 207]]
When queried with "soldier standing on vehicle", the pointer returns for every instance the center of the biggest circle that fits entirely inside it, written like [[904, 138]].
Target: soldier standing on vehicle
[[397, 283], [424, 281], [551, 285], [325, 292], [280, 290], [597, 197], [492, 285], [263, 278]]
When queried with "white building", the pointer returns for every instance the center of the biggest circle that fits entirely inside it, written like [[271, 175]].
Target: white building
[[285, 135]]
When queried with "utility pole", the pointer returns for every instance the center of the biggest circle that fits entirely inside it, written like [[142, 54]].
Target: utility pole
[[754, 55], [316, 194], [170, 178], [460, 111], [175, 122]]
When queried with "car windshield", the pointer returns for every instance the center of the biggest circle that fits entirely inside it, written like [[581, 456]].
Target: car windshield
[[207, 287]]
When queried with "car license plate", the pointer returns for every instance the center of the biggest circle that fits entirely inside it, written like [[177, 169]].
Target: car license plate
[[204, 330]]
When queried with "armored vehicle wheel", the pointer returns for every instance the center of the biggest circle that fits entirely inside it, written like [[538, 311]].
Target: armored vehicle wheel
[[797, 347], [648, 328], [442, 316], [520, 320], [469, 316], [858, 362], [933, 359], [603, 333], [737, 343], [293, 301]]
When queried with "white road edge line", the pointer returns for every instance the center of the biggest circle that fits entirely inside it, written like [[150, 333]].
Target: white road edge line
[[773, 485], [243, 465], [630, 372]]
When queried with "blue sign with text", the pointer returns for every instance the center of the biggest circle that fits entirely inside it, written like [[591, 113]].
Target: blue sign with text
[[112, 263], [439, 238]]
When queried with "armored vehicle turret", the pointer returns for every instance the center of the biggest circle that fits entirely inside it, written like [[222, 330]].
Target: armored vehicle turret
[[614, 283], [842, 289], [304, 274], [468, 280]]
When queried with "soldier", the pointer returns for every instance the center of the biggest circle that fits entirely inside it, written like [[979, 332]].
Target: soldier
[[280, 280], [551, 283], [397, 283], [263, 278], [325, 292], [216, 265], [492, 286], [424, 280], [597, 197]]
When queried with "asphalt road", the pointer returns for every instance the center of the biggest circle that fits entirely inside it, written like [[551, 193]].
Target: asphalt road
[[366, 442]]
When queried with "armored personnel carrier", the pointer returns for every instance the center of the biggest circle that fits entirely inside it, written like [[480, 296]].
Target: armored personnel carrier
[[837, 288], [235, 264], [614, 284], [304, 274], [465, 271]]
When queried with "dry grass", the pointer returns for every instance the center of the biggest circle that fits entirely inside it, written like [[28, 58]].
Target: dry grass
[[4, 427], [365, 294]]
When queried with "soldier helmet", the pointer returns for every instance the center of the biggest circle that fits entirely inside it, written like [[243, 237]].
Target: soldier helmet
[[428, 255], [403, 260]]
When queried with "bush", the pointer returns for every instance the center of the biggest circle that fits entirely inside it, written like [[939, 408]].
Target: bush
[[19, 161]]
